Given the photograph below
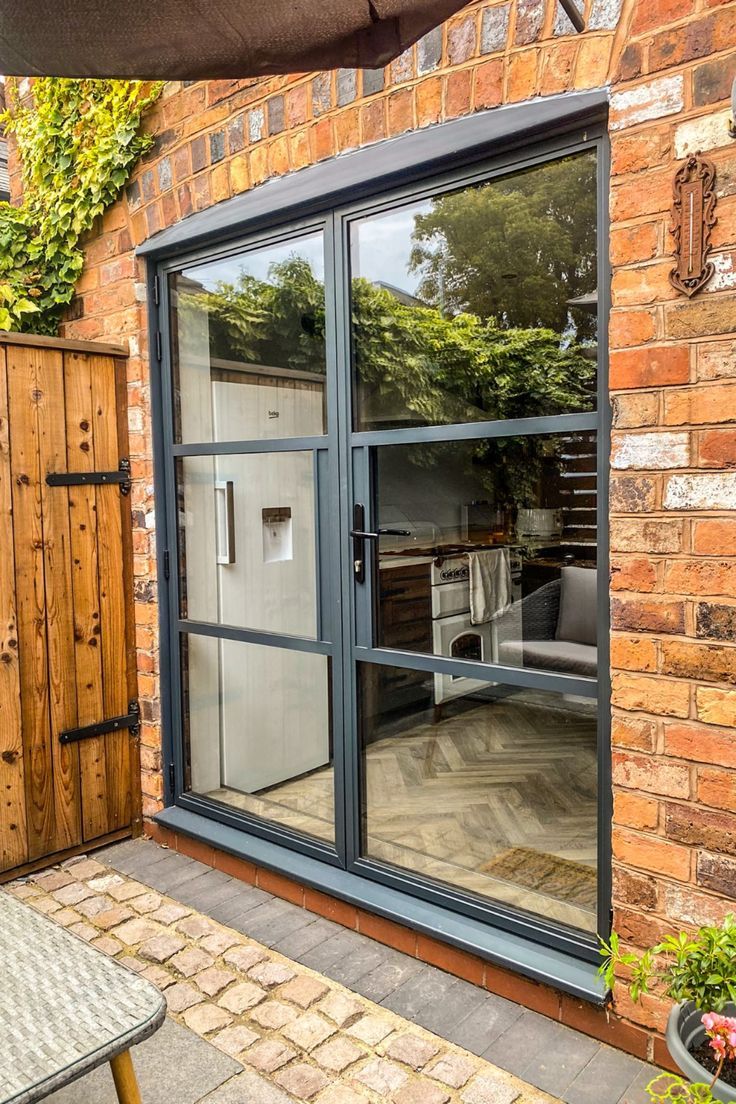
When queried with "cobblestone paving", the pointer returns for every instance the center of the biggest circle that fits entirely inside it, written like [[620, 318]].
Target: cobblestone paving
[[297, 1034]]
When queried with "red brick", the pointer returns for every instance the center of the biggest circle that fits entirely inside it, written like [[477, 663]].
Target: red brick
[[655, 366], [701, 743], [657, 13], [717, 577], [717, 787], [452, 961], [633, 732], [651, 853], [705, 662], [631, 327], [651, 774], [658, 615], [386, 931], [457, 93], [279, 886], [341, 912], [633, 653], [650, 694], [633, 573], [717, 448], [714, 536], [635, 811], [488, 84]]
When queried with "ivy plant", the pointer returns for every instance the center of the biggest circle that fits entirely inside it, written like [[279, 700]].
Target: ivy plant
[[77, 142], [699, 968]]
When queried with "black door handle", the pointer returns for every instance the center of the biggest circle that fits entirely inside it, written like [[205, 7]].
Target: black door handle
[[360, 536], [380, 533]]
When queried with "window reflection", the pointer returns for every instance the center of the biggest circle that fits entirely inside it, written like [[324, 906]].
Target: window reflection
[[249, 344], [480, 303]]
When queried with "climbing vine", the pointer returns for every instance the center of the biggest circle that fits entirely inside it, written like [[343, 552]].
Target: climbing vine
[[77, 142]]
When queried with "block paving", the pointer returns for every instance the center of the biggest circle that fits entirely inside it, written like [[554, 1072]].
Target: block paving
[[307, 1035]]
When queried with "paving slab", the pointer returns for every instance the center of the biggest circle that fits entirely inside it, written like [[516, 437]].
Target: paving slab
[[609, 1067], [551, 1059], [174, 1066]]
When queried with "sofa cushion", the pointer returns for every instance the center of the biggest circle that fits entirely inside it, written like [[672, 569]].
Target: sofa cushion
[[551, 655], [578, 605]]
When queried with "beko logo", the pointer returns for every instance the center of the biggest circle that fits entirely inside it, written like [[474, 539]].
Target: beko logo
[[273, 414]]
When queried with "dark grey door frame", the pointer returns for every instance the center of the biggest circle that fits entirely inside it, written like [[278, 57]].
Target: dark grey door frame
[[343, 649]]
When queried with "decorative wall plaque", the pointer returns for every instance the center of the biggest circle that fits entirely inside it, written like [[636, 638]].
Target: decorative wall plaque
[[693, 217]]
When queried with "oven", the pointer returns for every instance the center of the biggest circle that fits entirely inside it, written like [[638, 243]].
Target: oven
[[453, 634]]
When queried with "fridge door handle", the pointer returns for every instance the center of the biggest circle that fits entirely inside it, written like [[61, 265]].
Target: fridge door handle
[[225, 517]]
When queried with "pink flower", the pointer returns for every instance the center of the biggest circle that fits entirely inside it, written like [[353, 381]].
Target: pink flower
[[721, 1030]]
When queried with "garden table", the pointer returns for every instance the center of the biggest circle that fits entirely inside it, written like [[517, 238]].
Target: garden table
[[65, 1008]]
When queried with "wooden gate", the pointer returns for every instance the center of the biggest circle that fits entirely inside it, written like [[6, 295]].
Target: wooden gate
[[68, 710]]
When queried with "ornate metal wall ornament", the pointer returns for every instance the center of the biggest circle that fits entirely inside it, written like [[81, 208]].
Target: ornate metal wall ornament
[[693, 218]]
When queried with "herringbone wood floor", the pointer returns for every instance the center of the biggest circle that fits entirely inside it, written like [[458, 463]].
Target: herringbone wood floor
[[444, 800]]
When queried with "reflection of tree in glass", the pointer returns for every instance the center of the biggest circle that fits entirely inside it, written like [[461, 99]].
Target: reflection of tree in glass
[[515, 249], [444, 369], [278, 322]]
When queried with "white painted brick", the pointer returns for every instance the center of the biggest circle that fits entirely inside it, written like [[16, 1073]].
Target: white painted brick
[[664, 96], [604, 15], [650, 451], [140, 292], [708, 132], [709, 491], [724, 276]]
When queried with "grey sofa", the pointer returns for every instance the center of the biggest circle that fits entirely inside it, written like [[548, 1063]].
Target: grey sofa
[[553, 628]]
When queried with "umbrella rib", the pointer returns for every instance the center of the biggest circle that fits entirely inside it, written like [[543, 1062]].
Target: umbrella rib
[[572, 13]]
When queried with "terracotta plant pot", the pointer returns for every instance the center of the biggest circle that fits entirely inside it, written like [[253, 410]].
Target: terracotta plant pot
[[685, 1030]]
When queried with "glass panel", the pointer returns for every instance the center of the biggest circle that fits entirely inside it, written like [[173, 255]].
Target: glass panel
[[248, 345], [495, 794], [257, 730], [480, 303], [247, 542], [494, 550]]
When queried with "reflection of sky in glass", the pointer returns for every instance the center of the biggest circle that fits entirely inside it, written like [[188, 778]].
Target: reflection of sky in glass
[[258, 262], [382, 245]]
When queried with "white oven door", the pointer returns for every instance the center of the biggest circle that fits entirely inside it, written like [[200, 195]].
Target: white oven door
[[450, 598], [456, 638]]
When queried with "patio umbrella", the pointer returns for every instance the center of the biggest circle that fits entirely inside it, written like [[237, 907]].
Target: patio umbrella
[[207, 39]]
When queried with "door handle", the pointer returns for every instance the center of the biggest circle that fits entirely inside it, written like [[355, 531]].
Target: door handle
[[225, 518], [360, 536]]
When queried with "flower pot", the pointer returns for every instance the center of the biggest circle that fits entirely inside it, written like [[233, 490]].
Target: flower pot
[[685, 1030]]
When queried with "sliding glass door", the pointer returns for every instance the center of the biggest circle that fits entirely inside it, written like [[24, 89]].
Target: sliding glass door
[[389, 626]]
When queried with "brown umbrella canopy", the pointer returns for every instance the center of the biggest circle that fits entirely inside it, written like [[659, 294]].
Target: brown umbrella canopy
[[201, 39]]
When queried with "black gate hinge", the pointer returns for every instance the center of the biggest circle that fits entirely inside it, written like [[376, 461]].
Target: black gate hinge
[[156, 290], [131, 720], [167, 565], [172, 779], [158, 346], [93, 478]]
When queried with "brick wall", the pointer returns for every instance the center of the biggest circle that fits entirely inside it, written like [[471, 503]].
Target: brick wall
[[670, 64]]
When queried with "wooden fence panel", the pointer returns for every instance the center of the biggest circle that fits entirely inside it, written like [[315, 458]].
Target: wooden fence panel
[[80, 456], [113, 602], [66, 632], [13, 829]]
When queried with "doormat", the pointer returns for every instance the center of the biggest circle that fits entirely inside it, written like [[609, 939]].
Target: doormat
[[560, 878]]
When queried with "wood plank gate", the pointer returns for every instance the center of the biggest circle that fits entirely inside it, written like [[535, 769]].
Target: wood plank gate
[[68, 711]]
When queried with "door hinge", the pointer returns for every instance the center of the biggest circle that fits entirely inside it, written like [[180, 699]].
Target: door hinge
[[89, 478], [157, 290], [167, 565], [158, 345], [172, 779], [131, 721]]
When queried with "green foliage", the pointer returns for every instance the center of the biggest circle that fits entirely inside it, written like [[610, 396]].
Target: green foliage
[[700, 968], [410, 359], [668, 1088], [78, 141], [516, 248]]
